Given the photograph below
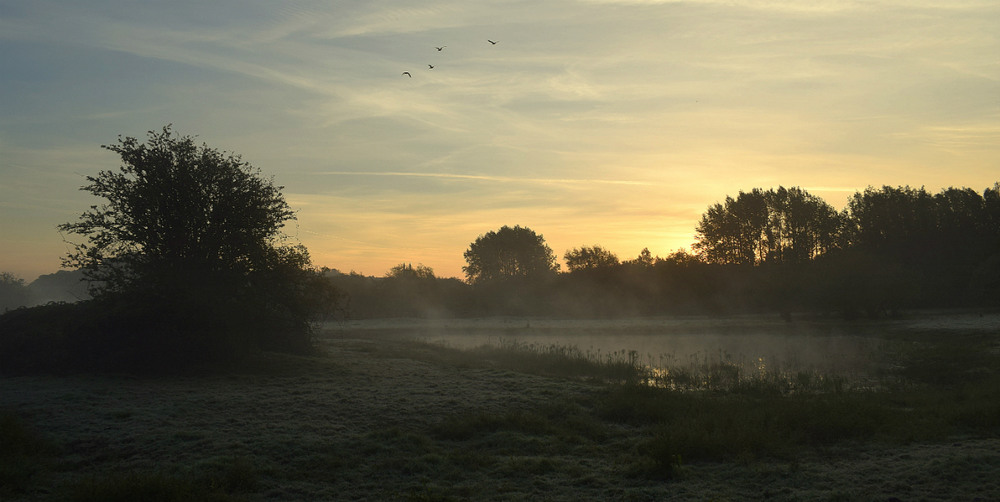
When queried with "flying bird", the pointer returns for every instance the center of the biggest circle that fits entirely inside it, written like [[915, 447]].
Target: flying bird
[[407, 74], [492, 42], [430, 67], [441, 48]]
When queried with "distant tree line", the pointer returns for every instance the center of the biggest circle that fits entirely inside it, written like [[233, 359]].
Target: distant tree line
[[61, 286], [779, 250], [13, 291]]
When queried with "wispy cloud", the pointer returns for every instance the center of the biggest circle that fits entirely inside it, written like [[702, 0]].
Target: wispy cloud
[[476, 177]]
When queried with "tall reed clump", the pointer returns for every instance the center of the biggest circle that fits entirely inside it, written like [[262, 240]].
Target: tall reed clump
[[721, 372], [565, 361]]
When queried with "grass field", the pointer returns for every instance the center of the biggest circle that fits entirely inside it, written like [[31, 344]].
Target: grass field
[[535, 410]]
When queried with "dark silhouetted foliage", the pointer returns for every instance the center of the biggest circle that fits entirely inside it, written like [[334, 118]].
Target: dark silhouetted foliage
[[511, 271], [511, 253], [936, 242], [776, 226], [187, 260], [175, 211], [589, 257], [406, 271], [13, 292], [780, 251]]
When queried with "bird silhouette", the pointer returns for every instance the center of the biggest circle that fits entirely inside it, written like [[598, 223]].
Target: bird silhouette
[[430, 67], [441, 48], [492, 42], [407, 74]]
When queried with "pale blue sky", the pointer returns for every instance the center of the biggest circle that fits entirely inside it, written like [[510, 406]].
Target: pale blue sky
[[593, 122]]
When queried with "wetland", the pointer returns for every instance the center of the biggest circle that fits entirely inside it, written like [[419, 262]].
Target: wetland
[[536, 409]]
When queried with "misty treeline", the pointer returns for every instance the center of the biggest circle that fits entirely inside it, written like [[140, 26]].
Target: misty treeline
[[61, 286], [764, 251]]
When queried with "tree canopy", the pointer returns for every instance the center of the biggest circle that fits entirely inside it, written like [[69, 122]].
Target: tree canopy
[[406, 271], [174, 210], [773, 226], [190, 232], [589, 257], [509, 253]]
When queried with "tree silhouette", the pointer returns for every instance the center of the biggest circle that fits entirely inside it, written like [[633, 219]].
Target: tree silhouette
[[589, 257], [896, 222], [516, 253], [774, 226], [406, 271], [175, 210], [800, 226], [189, 232], [645, 259], [13, 291]]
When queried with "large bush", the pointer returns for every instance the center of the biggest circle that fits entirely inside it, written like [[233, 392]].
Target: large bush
[[187, 261]]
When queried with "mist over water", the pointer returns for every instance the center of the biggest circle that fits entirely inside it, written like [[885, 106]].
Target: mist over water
[[834, 348]]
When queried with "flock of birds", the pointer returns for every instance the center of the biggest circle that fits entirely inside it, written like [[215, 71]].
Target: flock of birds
[[439, 49]]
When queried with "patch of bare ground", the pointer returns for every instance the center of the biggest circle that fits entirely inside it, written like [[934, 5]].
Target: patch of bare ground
[[386, 419]]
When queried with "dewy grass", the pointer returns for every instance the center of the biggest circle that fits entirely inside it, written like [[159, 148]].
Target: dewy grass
[[405, 421]]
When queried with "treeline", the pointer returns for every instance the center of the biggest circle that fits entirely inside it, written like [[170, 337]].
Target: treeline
[[779, 250], [62, 286]]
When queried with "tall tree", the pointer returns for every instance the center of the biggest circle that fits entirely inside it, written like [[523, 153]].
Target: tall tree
[[774, 226], [175, 210], [800, 226], [892, 221], [509, 253], [190, 227], [962, 221], [991, 201]]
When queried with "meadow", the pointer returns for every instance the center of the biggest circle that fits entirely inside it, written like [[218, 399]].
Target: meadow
[[739, 408]]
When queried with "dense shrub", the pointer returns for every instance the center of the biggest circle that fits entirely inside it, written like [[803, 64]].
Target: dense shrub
[[140, 335]]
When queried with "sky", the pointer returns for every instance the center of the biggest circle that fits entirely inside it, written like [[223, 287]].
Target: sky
[[593, 122]]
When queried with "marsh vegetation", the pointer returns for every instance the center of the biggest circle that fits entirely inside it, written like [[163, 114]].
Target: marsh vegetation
[[431, 411]]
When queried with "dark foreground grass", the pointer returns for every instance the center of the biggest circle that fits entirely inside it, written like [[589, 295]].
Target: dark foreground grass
[[24, 455], [28, 460], [216, 480], [148, 486], [625, 435]]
